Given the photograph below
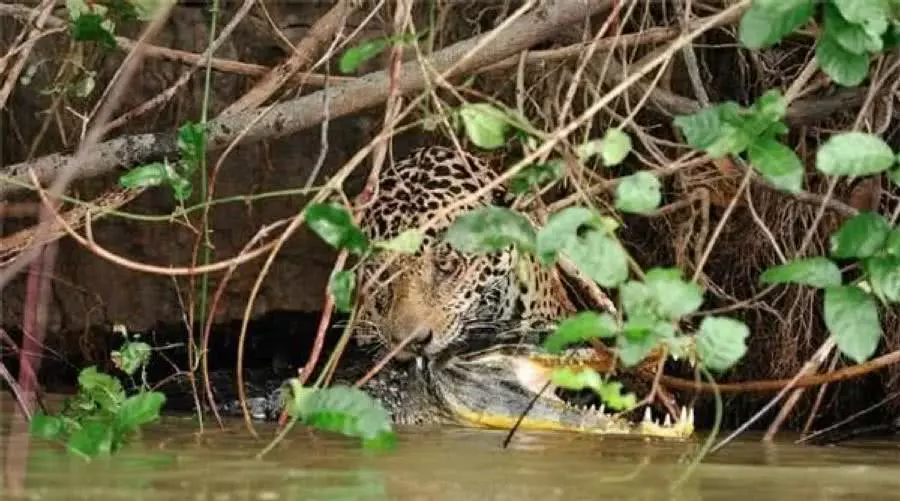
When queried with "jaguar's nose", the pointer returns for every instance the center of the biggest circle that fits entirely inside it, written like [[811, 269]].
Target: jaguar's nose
[[414, 342]]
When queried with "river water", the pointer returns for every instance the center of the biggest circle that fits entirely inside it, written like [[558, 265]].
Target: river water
[[172, 461]]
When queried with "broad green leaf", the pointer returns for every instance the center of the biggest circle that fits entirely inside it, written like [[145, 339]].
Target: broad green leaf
[[863, 235], [892, 245], [777, 163], [131, 356], [873, 13], [93, 439], [884, 277], [609, 392], [844, 67], [640, 336], [106, 390], [407, 242], [46, 427], [721, 342], [819, 272], [767, 21], [674, 297], [342, 409], [485, 124], [770, 107], [894, 176], [638, 300], [138, 410], [490, 229], [616, 146], [851, 316], [852, 37], [581, 327], [854, 154], [89, 27], [192, 145], [333, 224], [719, 130], [341, 286], [536, 176], [145, 176], [613, 148], [561, 227], [638, 193], [599, 256], [355, 56]]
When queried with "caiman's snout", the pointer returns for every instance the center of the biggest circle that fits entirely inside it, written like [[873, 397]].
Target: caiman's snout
[[414, 342]]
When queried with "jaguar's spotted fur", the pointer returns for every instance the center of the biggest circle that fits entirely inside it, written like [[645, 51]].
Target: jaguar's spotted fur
[[435, 295]]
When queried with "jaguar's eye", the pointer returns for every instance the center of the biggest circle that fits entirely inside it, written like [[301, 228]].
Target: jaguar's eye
[[445, 267]]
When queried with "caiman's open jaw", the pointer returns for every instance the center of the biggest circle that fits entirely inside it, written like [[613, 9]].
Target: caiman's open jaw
[[492, 388]]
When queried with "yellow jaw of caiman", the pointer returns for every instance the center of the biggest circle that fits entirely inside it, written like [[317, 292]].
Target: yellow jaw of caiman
[[494, 387]]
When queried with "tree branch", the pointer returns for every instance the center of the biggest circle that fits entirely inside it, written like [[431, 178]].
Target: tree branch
[[298, 114]]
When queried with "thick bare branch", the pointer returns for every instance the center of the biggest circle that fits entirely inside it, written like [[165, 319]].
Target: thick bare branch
[[301, 113]]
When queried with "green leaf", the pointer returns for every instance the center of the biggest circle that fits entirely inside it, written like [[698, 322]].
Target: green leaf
[[407, 242], [766, 22], [342, 409], [892, 246], [851, 316], [854, 154], [637, 300], [47, 427], [581, 327], [131, 356], [485, 124], [863, 235], [777, 163], [145, 176], [852, 37], [844, 67], [537, 175], [640, 335], [873, 13], [673, 296], [355, 56], [104, 389], [89, 27], [341, 286], [562, 226], [609, 392], [702, 129], [816, 272], [583, 236], [638, 193], [138, 410], [94, 438], [490, 229], [599, 256], [335, 226], [884, 276], [192, 145], [613, 148], [721, 342], [723, 129]]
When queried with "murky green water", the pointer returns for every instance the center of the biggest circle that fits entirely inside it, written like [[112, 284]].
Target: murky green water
[[173, 462]]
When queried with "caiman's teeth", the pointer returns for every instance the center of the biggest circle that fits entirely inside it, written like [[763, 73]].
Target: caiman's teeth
[[691, 416], [683, 417], [602, 408], [668, 422], [648, 416]]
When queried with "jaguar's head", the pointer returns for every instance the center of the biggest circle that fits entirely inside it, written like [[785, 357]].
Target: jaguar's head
[[430, 300]]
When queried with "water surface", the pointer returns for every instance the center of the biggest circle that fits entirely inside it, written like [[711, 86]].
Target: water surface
[[174, 462]]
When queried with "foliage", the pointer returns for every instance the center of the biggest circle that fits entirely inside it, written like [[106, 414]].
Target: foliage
[[101, 418], [356, 56], [341, 409], [192, 149], [851, 31], [96, 20]]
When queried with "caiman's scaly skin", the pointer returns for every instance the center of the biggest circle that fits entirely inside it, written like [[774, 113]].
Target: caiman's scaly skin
[[472, 359]]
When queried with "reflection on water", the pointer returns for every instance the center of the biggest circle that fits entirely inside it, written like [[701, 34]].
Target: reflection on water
[[172, 462]]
